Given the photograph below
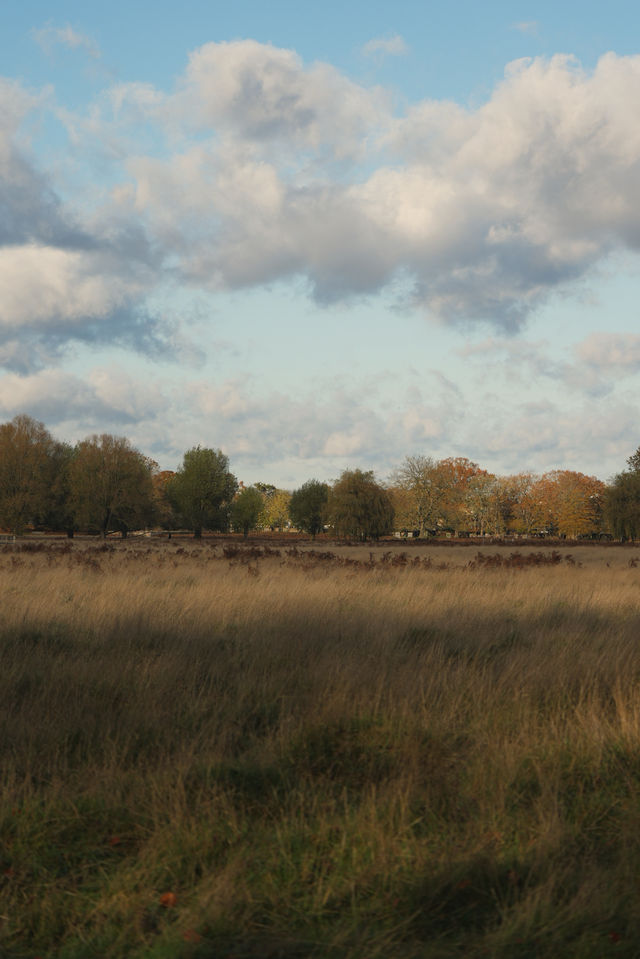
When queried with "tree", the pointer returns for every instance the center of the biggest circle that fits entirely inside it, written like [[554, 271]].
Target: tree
[[566, 503], [307, 506], [265, 488], [501, 497], [527, 505], [453, 477], [202, 489], [633, 462], [163, 513], [111, 487], [480, 502], [575, 502], [246, 509], [419, 493], [275, 508], [26, 472], [403, 508], [358, 507], [59, 513], [622, 505]]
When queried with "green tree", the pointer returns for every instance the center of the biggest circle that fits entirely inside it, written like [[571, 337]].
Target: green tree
[[246, 509], [202, 490], [26, 472], [358, 507], [622, 505], [307, 506], [110, 482]]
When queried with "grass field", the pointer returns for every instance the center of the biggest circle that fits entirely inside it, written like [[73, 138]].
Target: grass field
[[222, 750]]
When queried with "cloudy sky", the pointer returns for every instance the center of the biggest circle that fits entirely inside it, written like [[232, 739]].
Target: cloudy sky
[[322, 236]]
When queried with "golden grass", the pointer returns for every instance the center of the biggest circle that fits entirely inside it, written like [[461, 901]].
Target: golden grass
[[320, 755]]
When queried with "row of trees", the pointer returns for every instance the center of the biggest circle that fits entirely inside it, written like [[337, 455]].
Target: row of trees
[[458, 495], [103, 484]]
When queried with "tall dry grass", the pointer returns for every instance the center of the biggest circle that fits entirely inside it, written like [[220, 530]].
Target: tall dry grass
[[330, 754]]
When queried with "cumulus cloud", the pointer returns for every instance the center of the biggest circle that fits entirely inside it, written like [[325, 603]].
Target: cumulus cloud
[[265, 94], [485, 211], [106, 399], [385, 46], [64, 275], [44, 286], [51, 297], [265, 168]]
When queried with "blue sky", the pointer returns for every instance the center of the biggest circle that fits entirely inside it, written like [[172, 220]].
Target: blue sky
[[324, 237]]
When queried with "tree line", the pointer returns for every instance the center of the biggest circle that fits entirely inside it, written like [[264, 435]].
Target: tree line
[[103, 485]]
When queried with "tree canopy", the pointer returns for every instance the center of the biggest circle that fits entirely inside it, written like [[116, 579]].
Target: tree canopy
[[110, 484], [104, 484], [307, 506], [202, 490], [246, 509], [622, 505], [27, 471], [358, 507], [275, 507]]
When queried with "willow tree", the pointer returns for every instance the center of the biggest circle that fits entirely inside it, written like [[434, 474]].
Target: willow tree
[[358, 507]]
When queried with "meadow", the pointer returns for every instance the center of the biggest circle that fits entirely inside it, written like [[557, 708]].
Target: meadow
[[308, 750]]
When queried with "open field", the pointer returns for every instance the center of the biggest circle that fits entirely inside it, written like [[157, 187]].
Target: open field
[[250, 751]]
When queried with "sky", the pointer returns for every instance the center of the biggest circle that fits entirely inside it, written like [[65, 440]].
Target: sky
[[324, 236]]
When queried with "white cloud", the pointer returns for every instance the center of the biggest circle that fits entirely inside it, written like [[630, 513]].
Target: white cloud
[[288, 438], [264, 168], [487, 210], [265, 94], [49, 36], [105, 400], [386, 46], [65, 274], [529, 27], [45, 393], [594, 436], [43, 287]]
